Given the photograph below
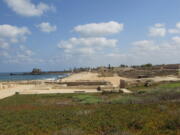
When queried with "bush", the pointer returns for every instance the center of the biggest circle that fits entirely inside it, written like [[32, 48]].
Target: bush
[[172, 124], [147, 65], [16, 93]]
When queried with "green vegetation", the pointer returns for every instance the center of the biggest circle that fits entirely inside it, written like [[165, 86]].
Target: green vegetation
[[171, 85], [152, 111], [155, 86], [147, 65], [125, 100], [87, 99]]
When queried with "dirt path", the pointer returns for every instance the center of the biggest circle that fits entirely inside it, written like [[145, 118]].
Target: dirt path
[[58, 91], [28, 90], [165, 78]]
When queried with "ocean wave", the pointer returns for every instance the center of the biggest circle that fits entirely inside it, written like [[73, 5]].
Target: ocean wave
[[50, 79], [7, 77]]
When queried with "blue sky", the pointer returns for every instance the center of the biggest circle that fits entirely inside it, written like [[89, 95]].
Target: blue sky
[[62, 34]]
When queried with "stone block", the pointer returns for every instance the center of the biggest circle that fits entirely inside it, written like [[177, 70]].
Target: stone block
[[122, 84]]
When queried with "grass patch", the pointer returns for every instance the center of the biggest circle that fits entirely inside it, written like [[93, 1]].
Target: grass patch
[[33, 118], [155, 86], [87, 99], [129, 99], [149, 112], [170, 85]]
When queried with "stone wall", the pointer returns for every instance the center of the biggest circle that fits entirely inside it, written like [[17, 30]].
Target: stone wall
[[6, 86]]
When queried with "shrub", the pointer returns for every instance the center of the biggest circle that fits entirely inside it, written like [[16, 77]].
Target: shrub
[[16, 93], [172, 124], [147, 65], [136, 124]]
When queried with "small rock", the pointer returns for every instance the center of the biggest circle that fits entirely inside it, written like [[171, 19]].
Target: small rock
[[126, 91], [148, 83]]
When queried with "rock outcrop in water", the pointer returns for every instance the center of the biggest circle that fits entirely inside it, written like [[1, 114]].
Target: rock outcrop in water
[[36, 71]]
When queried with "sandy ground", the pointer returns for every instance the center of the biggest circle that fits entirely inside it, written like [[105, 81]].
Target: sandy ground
[[83, 76], [58, 91], [115, 80], [31, 89], [88, 76], [166, 78], [11, 91]]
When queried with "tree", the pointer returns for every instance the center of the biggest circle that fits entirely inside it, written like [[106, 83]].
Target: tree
[[147, 65], [123, 66], [109, 67]]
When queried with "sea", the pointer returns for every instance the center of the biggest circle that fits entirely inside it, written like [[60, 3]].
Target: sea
[[8, 77]]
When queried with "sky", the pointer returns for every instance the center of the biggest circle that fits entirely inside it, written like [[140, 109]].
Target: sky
[[63, 34]]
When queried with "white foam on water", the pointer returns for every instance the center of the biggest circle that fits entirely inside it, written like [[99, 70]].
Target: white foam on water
[[51, 79]]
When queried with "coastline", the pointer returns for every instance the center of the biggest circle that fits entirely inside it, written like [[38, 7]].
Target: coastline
[[83, 82], [6, 77]]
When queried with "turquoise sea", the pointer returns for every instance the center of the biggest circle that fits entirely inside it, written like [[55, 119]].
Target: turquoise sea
[[8, 77]]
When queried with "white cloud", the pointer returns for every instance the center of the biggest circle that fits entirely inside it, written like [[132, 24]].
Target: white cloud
[[99, 29], [178, 25], [90, 45], [3, 44], [27, 8], [158, 30], [46, 27], [22, 55], [4, 54], [176, 39], [18, 54], [144, 47], [143, 43], [175, 30], [156, 52], [11, 34], [26, 51], [159, 25], [141, 52], [85, 51]]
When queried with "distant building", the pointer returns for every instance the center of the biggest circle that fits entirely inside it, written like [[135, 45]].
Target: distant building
[[36, 71]]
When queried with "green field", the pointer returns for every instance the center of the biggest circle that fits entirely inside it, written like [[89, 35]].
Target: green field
[[153, 111]]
